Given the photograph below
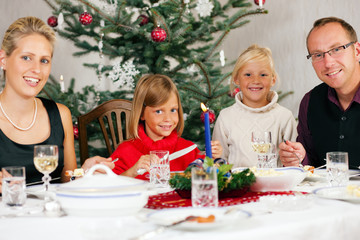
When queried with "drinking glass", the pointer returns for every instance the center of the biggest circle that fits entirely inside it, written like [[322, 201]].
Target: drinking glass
[[337, 167], [204, 187], [13, 186], [271, 157], [46, 161], [159, 168], [261, 142]]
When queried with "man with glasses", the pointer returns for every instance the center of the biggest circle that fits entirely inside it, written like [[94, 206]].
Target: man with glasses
[[329, 115]]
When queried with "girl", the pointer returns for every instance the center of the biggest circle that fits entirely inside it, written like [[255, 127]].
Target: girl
[[25, 120], [156, 123], [255, 109]]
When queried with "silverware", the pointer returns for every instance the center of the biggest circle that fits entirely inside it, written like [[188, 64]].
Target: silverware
[[162, 229], [115, 160], [300, 165], [320, 167], [33, 183]]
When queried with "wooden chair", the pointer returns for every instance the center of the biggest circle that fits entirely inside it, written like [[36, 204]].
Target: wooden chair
[[117, 109]]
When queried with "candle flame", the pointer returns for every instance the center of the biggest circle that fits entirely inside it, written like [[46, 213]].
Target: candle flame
[[61, 78], [203, 107]]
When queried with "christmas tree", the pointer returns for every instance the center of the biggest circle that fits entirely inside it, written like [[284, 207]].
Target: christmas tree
[[177, 38]]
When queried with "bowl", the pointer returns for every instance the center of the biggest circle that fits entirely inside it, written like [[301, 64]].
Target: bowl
[[284, 179], [102, 194]]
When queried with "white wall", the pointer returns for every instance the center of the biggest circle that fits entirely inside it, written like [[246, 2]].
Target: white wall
[[284, 30]]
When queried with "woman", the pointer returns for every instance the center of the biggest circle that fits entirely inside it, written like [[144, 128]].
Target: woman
[[25, 120]]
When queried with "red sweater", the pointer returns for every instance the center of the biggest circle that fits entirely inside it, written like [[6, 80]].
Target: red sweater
[[129, 152]]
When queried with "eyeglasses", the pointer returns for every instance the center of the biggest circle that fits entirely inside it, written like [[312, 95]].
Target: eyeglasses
[[337, 51]]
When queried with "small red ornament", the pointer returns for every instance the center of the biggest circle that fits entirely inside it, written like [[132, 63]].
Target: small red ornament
[[52, 21], [144, 19], [85, 18], [257, 2], [211, 116], [158, 34], [234, 92], [76, 131]]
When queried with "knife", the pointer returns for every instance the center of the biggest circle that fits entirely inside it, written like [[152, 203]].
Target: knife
[[172, 156]]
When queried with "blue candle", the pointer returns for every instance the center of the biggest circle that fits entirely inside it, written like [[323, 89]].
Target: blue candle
[[207, 131]]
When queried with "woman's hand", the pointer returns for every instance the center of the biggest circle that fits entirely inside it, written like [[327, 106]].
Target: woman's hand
[[216, 149], [97, 160], [287, 153], [142, 163]]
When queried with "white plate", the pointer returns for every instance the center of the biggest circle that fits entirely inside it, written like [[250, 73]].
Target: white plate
[[168, 216], [337, 193], [321, 175], [39, 190]]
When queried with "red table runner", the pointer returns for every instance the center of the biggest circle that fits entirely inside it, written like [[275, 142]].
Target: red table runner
[[173, 200]]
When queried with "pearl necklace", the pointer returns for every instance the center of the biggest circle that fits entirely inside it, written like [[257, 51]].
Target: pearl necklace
[[16, 126]]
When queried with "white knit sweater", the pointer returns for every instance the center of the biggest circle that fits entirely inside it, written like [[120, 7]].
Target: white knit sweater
[[234, 125]]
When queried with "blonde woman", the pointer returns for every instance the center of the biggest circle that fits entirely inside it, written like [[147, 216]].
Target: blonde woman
[[156, 123], [25, 120], [255, 109]]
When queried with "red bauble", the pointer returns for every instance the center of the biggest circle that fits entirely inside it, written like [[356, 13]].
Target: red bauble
[[144, 19], [211, 116], [158, 34], [234, 92], [257, 2], [76, 131], [52, 21], [85, 18]]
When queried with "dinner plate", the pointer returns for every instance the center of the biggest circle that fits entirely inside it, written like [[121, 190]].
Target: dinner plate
[[321, 175], [168, 216], [336, 193], [39, 190]]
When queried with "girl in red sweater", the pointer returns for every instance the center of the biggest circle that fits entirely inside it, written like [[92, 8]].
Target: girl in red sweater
[[156, 123]]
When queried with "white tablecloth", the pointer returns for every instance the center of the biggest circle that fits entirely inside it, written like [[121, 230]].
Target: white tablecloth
[[325, 219]]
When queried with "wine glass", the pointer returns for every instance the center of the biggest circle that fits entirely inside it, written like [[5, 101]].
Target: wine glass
[[261, 143], [46, 161]]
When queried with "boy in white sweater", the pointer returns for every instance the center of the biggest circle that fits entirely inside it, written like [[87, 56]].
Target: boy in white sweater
[[255, 109]]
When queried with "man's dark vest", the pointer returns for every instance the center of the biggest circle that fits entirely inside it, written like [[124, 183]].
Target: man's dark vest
[[333, 129]]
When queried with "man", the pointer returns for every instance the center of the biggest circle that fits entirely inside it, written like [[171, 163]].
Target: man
[[329, 115]]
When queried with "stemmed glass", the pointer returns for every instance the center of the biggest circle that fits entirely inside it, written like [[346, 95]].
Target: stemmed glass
[[261, 143], [46, 161]]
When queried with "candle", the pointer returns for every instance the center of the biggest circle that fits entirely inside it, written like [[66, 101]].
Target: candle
[[62, 84], [207, 131], [260, 3]]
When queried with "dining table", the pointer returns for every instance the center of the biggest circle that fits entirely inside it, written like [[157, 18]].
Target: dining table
[[313, 217]]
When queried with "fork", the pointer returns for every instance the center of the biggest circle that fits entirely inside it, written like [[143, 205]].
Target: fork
[[161, 229], [300, 165]]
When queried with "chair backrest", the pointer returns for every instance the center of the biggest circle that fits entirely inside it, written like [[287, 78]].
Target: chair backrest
[[116, 109]]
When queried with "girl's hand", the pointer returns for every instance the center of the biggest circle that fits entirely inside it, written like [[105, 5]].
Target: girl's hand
[[142, 163], [97, 160], [287, 153], [216, 149]]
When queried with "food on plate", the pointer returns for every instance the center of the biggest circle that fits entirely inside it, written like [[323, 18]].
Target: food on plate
[[353, 190], [265, 172], [79, 172], [309, 168], [208, 219]]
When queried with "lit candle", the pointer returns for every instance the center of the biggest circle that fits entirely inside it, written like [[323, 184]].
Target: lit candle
[[207, 131], [62, 84], [260, 3]]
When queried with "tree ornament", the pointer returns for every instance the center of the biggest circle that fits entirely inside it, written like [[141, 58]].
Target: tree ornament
[[257, 2], [144, 19], [76, 131], [234, 92], [52, 21], [211, 116], [158, 34], [85, 18], [204, 8]]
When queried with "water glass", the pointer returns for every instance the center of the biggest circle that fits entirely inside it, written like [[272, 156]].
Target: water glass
[[271, 157], [337, 167], [204, 187], [13, 186], [261, 143], [159, 168]]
